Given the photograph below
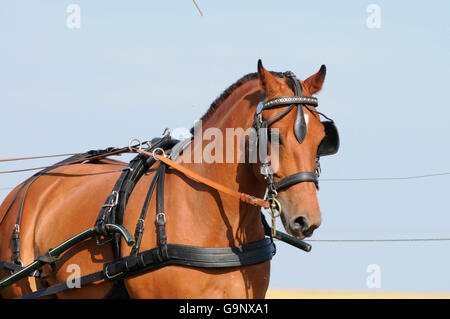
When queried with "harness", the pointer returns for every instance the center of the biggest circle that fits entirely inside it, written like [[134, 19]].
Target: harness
[[108, 227]]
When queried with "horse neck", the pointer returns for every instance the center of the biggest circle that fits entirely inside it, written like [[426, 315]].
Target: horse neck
[[237, 111]]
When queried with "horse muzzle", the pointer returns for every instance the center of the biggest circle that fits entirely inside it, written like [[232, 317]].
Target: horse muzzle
[[302, 227]]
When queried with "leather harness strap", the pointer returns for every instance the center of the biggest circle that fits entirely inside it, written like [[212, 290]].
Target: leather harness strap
[[88, 279], [295, 179], [114, 208], [177, 254], [191, 256]]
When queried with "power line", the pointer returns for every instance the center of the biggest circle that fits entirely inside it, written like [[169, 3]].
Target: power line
[[36, 157], [376, 240], [382, 178], [341, 179]]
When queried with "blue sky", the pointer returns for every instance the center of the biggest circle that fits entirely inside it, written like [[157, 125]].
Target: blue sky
[[133, 69]]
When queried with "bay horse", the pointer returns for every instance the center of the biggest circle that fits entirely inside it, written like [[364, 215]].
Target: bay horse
[[67, 200]]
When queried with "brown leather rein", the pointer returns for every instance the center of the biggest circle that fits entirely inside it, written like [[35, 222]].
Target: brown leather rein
[[246, 198]]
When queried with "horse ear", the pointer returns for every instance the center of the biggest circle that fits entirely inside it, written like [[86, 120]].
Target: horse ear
[[315, 81], [267, 81]]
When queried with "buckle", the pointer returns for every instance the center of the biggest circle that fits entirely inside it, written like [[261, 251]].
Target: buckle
[[161, 219], [109, 276], [114, 200]]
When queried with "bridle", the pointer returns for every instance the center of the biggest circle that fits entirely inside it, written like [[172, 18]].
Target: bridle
[[328, 146]]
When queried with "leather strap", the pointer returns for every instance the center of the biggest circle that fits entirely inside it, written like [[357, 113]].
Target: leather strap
[[295, 179], [64, 286], [141, 221], [160, 216], [249, 199], [286, 100], [10, 266], [124, 187], [184, 255], [192, 256]]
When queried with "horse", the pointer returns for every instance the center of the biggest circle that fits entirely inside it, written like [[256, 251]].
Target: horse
[[66, 201]]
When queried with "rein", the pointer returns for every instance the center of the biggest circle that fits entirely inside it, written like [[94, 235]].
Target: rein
[[93, 155], [246, 198]]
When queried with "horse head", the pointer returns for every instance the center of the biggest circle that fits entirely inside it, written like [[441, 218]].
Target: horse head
[[288, 107]]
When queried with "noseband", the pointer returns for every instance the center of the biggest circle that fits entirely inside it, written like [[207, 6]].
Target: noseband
[[328, 146]]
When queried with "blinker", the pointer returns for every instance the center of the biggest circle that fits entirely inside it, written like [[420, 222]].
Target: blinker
[[330, 143]]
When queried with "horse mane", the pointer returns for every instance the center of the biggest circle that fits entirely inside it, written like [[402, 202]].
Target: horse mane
[[225, 94]]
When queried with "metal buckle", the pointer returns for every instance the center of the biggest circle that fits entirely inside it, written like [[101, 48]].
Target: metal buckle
[[114, 200], [317, 169], [113, 276], [266, 170], [161, 215], [259, 119]]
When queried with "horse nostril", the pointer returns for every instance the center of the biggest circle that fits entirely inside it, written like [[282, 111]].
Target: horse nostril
[[300, 223]]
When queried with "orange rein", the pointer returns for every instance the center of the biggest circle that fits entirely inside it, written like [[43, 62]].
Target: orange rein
[[246, 198], [35, 157], [116, 152]]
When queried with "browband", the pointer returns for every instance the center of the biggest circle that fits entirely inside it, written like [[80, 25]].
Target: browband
[[290, 100]]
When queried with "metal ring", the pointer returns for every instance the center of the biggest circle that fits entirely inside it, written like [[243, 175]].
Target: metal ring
[[134, 140], [275, 206], [158, 149]]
